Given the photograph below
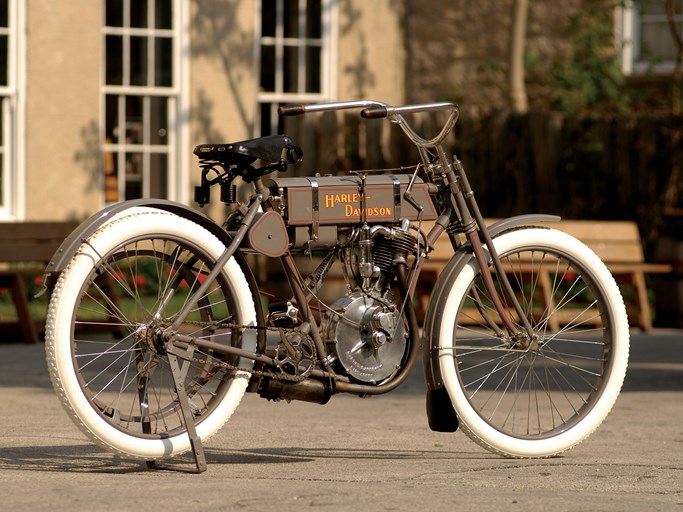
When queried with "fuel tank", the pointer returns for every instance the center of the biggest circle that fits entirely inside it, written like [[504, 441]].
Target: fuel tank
[[336, 200]]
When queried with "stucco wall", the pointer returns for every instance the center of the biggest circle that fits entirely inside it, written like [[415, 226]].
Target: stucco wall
[[62, 108], [371, 51], [223, 79], [224, 75]]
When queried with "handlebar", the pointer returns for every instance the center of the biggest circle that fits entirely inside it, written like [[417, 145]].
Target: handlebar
[[371, 109], [375, 112], [291, 110], [378, 110]]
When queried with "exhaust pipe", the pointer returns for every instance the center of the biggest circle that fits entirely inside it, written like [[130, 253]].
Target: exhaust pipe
[[309, 390]]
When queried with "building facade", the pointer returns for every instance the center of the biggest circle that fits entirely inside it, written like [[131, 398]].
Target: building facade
[[103, 100]]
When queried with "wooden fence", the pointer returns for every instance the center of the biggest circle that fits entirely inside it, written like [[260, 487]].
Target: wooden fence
[[581, 168]]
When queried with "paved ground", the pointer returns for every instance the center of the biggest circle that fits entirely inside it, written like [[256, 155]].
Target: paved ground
[[352, 454]]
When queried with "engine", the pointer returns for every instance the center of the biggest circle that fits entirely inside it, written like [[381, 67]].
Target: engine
[[365, 329]]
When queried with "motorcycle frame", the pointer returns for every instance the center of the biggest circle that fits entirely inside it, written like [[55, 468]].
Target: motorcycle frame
[[464, 210], [451, 184]]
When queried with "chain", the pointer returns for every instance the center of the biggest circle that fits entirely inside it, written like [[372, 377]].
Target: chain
[[259, 373]]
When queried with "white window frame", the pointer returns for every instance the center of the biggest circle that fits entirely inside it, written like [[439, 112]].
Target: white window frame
[[178, 95], [627, 32], [328, 59], [13, 96]]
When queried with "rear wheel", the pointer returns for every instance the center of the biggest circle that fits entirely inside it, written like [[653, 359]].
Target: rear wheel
[[535, 397], [104, 346]]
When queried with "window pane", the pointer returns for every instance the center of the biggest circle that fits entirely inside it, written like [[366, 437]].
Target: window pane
[[2, 155], [111, 130], [138, 61], [657, 7], [114, 15], [133, 175], [111, 177], [268, 18], [133, 189], [4, 19], [4, 61], [138, 13], [656, 43], [291, 69], [163, 12], [114, 51], [265, 119], [291, 18], [314, 19], [158, 176], [268, 68], [2, 179], [134, 167], [163, 63], [159, 120], [271, 123], [313, 56], [134, 120]]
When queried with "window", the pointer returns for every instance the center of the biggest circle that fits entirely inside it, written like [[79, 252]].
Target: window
[[647, 43], [11, 108], [295, 47], [143, 140]]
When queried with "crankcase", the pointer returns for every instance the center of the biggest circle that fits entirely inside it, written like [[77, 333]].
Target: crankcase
[[369, 339]]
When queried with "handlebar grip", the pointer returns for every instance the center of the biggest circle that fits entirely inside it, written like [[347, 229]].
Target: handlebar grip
[[291, 110], [375, 112]]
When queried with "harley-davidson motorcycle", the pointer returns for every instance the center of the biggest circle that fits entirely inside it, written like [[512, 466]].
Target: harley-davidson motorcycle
[[157, 326]]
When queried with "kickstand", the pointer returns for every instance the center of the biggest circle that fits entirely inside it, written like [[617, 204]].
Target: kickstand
[[188, 418]]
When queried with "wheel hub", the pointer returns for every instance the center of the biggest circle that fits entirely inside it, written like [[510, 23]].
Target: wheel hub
[[151, 337], [522, 341]]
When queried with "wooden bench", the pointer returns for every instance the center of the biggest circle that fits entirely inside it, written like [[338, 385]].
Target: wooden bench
[[617, 243], [25, 249]]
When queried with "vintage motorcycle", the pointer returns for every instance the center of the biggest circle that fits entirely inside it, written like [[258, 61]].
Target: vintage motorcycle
[[157, 327]]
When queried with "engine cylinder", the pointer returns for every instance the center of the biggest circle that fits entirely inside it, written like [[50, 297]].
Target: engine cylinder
[[384, 250]]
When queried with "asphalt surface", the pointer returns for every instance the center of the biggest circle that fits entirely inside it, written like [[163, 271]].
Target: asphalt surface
[[352, 454]]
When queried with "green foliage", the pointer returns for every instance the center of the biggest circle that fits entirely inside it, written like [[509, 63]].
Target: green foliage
[[590, 80]]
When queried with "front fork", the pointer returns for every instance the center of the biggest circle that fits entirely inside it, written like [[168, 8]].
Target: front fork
[[474, 226]]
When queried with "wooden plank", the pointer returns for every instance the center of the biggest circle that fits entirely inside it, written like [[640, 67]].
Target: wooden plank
[[22, 251], [32, 241], [12, 231], [599, 229], [647, 268], [616, 252]]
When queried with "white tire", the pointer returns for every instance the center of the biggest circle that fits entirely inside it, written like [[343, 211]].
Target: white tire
[[540, 398], [115, 382]]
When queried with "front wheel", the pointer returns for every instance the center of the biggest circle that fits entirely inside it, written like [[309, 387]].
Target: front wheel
[[535, 397], [105, 354]]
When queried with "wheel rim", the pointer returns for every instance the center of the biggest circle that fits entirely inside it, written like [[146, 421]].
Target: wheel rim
[[541, 387], [132, 294]]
